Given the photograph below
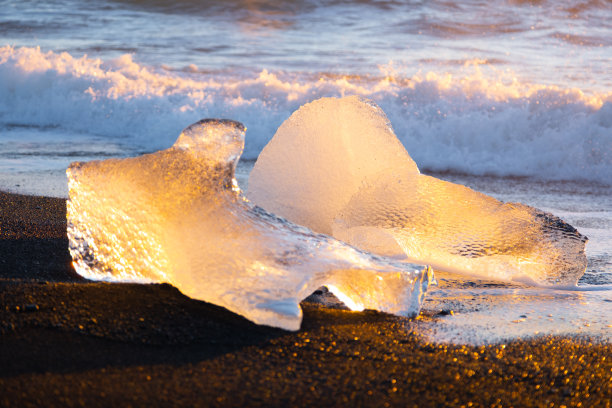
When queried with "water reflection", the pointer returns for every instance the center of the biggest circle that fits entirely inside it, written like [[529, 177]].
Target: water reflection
[[482, 312]]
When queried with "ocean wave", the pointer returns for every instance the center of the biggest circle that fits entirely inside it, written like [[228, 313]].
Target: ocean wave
[[571, 7], [481, 121]]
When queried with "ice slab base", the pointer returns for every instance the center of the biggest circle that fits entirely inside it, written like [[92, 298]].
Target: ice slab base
[[337, 167], [178, 216]]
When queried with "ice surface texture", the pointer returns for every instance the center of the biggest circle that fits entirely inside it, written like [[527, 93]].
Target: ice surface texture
[[178, 216], [337, 167]]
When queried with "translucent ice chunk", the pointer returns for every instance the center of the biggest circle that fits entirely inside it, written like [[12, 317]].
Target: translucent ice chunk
[[178, 216], [336, 166], [319, 157], [454, 228]]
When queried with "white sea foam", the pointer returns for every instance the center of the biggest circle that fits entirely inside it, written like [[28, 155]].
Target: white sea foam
[[481, 122]]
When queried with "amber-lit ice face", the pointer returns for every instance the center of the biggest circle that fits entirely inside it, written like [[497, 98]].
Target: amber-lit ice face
[[178, 216], [337, 167], [334, 166]]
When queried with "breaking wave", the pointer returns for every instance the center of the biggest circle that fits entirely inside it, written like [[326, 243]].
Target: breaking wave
[[482, 121]]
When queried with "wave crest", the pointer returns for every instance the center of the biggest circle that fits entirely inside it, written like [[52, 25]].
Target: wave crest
[[480, 122]]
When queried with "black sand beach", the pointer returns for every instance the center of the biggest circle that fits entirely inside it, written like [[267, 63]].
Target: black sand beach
[[66, 341]]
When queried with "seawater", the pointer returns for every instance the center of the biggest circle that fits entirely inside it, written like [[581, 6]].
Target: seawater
[[512, 98]]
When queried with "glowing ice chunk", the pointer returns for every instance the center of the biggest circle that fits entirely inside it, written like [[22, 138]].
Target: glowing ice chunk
[[319, 157], [178, 216], [336, 166]]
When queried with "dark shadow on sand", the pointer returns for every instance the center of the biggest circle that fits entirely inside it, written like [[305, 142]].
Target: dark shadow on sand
[[45, 259], [68, 327]]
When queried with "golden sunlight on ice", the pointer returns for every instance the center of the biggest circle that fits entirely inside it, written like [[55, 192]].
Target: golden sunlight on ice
[[337, 167], [178, 216]]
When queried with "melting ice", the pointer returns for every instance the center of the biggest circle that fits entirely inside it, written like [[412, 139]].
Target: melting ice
[[337, 167], [178, 216]]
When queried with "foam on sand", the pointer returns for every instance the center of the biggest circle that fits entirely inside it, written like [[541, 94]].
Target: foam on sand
[[178, 216], [336, 166]]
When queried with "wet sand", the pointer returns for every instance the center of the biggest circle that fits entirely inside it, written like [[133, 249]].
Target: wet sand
[[66, 341]]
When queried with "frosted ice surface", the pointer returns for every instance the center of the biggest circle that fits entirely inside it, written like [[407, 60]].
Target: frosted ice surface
[[337, 167], [319, 157], [178, 216]]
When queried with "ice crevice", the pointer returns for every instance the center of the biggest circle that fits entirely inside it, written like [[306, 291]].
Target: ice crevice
[[178, 216]]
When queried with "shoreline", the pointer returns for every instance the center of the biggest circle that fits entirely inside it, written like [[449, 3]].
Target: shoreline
[[67, 341]]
